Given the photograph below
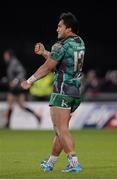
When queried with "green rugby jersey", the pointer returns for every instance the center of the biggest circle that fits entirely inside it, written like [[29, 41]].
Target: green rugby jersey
[[69, 53]]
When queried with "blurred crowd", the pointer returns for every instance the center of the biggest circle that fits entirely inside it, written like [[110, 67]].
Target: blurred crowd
[[93, 84]]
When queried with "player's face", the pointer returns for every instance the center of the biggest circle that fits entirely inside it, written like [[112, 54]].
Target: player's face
[[62, 30]]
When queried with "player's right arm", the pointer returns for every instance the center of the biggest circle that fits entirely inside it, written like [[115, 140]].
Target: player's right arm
[[53, 59], [41, 72], [40, 50]]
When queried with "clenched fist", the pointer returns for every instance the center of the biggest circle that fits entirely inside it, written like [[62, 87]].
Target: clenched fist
[[25, 85], [39, 49]]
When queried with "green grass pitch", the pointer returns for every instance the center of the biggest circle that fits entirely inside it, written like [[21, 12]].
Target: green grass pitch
[[21, 152]]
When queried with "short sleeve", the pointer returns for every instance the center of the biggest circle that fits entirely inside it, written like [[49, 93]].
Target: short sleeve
[[57, 52]]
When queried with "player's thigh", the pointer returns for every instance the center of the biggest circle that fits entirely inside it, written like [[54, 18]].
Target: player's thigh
[[63, 104], [60, 117]]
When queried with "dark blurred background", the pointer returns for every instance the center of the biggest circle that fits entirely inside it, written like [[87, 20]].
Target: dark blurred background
[[22, 25]]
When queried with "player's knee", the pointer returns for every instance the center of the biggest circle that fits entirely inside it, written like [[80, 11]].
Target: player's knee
[[56, 131], [60, 131]]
